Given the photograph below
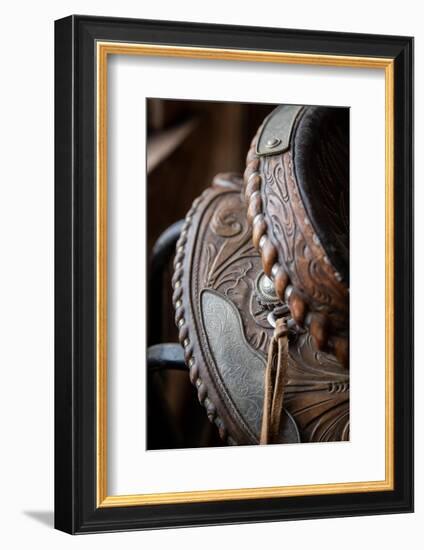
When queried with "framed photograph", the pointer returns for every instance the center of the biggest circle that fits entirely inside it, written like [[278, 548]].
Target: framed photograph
[[233, 266]]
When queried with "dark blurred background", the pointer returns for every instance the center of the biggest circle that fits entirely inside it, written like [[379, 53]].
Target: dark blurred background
[[188, 143]]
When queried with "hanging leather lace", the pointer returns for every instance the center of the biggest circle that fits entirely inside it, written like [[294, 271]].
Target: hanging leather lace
[[275, 381]]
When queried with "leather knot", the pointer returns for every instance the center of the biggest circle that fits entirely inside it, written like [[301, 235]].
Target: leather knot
[[280, 328], [275, 381]]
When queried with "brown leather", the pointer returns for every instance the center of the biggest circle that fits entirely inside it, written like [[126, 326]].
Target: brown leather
[[298, 204], [222, 313], [275, 384]]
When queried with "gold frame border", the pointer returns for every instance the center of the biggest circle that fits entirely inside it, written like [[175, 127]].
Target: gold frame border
[[103, 50]]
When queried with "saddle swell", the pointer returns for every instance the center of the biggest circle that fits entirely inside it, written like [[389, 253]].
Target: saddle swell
[[297, 191], [222, 301]]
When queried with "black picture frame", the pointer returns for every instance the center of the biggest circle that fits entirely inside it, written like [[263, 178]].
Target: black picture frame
[[76, 509]]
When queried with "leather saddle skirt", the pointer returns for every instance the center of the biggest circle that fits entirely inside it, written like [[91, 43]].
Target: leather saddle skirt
[[247, 248]]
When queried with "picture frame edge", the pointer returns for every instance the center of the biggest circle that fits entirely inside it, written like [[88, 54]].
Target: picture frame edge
[[76, 510]]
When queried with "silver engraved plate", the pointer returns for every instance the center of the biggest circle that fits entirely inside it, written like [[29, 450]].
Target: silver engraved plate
[[240, 367]]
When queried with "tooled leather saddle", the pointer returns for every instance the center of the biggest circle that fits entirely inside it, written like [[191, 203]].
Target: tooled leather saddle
[[261, 285]]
